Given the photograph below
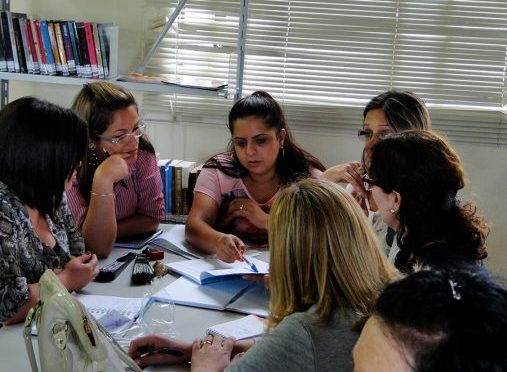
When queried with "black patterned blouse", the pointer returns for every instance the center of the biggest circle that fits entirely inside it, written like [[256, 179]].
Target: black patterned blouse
[[23, 257]]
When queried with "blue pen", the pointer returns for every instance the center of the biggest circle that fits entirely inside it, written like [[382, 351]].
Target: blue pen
[[247, 261]]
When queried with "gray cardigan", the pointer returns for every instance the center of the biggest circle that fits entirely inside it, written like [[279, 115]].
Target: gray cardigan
[[300, 343]]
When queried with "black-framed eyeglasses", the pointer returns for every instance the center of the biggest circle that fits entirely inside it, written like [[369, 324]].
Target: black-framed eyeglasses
[[366, 134], [136, 133], [369, 182]]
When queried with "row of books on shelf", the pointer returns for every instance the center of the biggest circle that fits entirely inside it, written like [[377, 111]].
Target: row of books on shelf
[[178, 180], [63, 47]]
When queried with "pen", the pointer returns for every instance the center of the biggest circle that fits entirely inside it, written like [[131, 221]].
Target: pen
[[247, 261], [150, 350]]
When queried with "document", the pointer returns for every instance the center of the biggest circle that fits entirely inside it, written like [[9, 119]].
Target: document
[[210, 270]]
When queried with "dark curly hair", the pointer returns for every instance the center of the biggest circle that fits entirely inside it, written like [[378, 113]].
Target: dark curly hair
[[294, 163], [447, 320], [426, 171]]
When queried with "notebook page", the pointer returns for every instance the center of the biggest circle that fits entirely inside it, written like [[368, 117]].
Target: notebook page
[[254, 301], [214, 296], [239, 329], [100, 305]]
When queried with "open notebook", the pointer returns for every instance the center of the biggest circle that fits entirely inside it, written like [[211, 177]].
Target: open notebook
[[235, 295], [211, 270]]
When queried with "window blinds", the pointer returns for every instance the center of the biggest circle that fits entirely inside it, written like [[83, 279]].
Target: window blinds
[[324, 60]]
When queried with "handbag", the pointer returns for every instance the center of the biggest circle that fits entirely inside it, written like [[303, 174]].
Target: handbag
[[69, 338]]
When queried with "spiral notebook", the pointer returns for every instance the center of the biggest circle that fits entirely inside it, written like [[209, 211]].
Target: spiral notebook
[[239, 329]]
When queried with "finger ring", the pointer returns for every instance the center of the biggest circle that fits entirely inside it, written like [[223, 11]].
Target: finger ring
[[241, 207]]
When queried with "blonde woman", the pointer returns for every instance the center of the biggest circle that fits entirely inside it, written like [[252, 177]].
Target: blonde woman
[[326, 270]]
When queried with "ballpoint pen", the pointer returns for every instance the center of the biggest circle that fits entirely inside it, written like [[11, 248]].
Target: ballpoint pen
[[247, 261], [150, 350]]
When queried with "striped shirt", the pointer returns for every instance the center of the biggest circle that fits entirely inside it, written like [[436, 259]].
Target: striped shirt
[[140, 193]]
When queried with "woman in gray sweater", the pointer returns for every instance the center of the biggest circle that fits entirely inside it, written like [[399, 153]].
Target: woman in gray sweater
[[326, 270]]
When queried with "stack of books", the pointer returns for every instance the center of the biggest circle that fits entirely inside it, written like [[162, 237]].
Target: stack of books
[[63, 47], [178, 179]]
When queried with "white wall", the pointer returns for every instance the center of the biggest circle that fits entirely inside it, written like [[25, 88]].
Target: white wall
[[485, 165]]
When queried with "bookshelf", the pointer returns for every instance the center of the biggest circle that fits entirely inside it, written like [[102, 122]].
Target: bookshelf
[[5, 77]]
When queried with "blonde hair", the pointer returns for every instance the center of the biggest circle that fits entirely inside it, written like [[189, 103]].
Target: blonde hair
[[323, 252]]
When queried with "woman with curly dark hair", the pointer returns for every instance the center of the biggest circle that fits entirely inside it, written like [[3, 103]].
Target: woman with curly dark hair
[[414, 177]]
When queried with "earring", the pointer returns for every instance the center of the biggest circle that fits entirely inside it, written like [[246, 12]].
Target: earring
[[392, 210], [283, 151]]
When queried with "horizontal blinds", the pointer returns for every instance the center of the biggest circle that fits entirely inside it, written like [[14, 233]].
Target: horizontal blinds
[[323, 60]]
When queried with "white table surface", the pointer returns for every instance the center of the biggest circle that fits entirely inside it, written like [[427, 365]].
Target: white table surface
[[189, 322]]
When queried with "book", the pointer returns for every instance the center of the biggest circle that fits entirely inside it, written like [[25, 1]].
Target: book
[[210, 270], [11, 54], [234, 295], [54, 48], [20, 50], [137, 241], [61, 48], [98, 52], [215, 296], [83, 50], [174, 241], [32, 45], [46, 44], [110, 35], [37, 35], [240, 329], [75, 50], [91, 49], [163, 165]]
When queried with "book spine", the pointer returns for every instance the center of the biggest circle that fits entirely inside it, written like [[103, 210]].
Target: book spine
[[91, 49], [111, 41], [13, 42], [168, 189], [67, 46], [98, 52], [83, 50], [75, 49], [61, 48], [37, 32], [3, 60], [48, 51], [178, 190], [19, 46], [21, 20], [54, 48], [32, 44], [7, 39], [104, 48]]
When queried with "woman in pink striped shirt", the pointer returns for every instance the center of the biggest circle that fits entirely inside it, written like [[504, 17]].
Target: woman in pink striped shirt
[[119, 190]]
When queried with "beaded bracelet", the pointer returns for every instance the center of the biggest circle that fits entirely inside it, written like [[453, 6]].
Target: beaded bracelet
[[105, 194]]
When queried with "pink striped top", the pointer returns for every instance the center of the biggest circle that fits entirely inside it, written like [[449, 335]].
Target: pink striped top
[[140, 194]]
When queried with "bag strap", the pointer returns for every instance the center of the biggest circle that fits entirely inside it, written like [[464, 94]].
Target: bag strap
[[125, 358], [27, 333]]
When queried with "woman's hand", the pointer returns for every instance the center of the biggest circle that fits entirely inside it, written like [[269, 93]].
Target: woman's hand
[[79, 271], [228, 248], [350, 173], [211, 354], [246, 208], [112, 169], [258, 278], [144, 351]]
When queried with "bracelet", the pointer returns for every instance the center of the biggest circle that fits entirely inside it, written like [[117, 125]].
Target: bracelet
[[105, 194]]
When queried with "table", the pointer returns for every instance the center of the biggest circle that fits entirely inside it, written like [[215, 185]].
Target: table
[[190, 323]]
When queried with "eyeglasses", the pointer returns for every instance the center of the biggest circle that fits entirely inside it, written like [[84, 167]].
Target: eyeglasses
[[369, 182], [136, 133], [367, 135]]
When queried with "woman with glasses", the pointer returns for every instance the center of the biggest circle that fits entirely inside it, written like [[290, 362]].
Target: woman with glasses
[[236, 189], [118, 192], [389, 112], [414, 178], [41, 148]]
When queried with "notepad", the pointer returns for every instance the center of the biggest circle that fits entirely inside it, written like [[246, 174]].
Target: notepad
[[239, 329], [211, 270]]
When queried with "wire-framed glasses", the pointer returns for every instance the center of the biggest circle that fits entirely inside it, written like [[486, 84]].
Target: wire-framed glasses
[[136, 133]]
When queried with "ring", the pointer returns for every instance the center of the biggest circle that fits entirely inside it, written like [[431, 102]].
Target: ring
[[241, 207], [209, 342]]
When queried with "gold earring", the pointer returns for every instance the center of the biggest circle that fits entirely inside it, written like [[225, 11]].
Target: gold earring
[[392, 210]]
